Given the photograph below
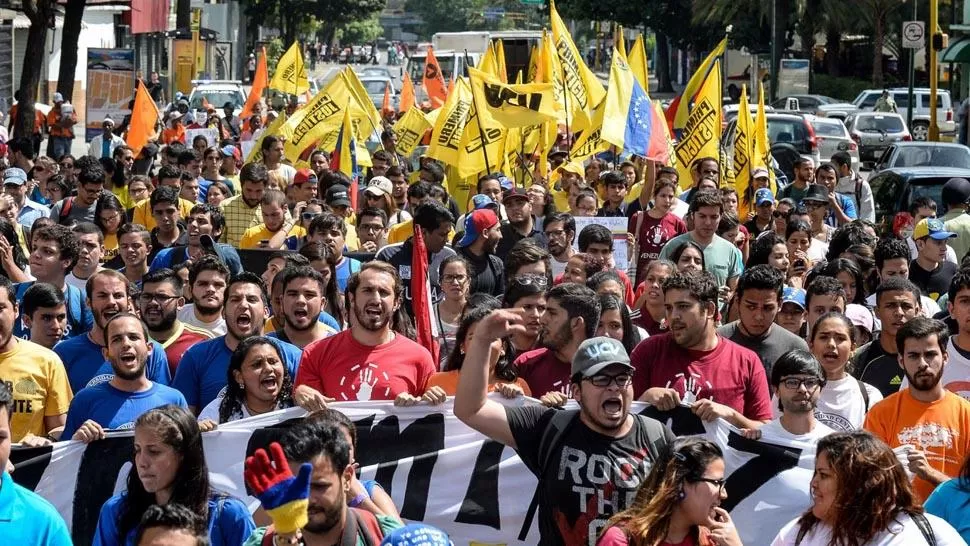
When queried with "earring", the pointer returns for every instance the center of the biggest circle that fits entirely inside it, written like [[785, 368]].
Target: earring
[[242, 386], [681, 495]]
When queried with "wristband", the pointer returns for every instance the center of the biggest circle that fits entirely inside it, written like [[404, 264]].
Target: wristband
[[358, 500]]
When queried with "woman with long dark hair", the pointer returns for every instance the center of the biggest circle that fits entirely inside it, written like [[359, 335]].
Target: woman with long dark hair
[[169, 467], [679, 502], [951, 501], [849, 275], [257, 382], [689, 256], [651, 302], [861, 496], [615, 322]]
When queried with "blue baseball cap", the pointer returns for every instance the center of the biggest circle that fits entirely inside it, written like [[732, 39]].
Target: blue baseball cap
[[932, 228], [416, 534], [793, 295], [14, 176], [481, 201], [763, 196]]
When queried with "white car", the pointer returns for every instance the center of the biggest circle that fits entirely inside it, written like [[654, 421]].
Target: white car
[[217, 93]]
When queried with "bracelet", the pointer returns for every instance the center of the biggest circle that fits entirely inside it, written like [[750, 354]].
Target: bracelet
[[358, 500]]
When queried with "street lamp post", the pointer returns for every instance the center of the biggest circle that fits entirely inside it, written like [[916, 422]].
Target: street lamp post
[[934, 135], [912, 74]]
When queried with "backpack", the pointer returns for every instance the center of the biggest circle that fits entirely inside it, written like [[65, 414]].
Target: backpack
[[65, 209]]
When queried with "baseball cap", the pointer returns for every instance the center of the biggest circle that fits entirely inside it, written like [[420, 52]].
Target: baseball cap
[[58, 97], [504, 182], [14, 176], [515, 193], [173, 116], [763, 196], [955, 191], [572, 167], [476, 223], [595, 354], [481, 201], [793, 295], [859, 316], [231, 151], [379, 185], [303, 176], [337, 196], [416, 534], [760, 172], [933, 228]]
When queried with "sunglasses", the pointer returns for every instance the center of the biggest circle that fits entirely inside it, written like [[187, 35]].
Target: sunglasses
[[779, 214]]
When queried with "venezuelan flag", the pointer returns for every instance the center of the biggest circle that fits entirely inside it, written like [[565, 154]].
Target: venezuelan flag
[[630, 121], [345, 155]]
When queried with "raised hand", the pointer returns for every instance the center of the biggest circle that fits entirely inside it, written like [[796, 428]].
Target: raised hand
[[283, 496]]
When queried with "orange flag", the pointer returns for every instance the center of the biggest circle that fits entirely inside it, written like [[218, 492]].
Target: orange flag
[[451, 86], [259, 85], [386, 107], [144, 118], [434, 81], [407, 94]]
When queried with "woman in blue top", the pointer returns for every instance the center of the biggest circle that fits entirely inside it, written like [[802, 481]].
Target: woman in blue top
[[367, 494], [951, 501], [169, 466]]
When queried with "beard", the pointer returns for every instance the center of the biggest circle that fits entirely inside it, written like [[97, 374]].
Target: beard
[[555, 340], [924, 381], [331, 516], [129, 375], [164, 323], [205, 309], [309, 325], [369, 322], [491, 245]]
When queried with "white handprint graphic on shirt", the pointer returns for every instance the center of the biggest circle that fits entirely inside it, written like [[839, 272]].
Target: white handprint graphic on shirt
[[366, 386]]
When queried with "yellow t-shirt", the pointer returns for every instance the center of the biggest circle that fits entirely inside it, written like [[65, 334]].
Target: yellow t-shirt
[[252, 236], [123, 196], [38, 381], [110, 247], [143, 212], [634, 193]]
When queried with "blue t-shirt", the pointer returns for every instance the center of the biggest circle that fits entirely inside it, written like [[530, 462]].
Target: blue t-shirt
[[80, 320], [345, 268], [115, 409], [848, 207], [178, 254], [202, 373], [229, 522], [27, 518], [86, 365], [950, 502]]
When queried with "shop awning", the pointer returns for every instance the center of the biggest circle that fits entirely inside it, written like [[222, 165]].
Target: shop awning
[[957, 52]]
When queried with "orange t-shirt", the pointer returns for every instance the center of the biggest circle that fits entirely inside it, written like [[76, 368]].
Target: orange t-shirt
[[941, 429], [54, 124], [39, 118], [449, 382], [170, 135]]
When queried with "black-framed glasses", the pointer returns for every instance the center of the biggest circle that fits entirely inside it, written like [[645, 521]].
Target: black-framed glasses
[[603, 380], [459, 279], [162, 299], [717, 483], [555, 233], [794, 382]]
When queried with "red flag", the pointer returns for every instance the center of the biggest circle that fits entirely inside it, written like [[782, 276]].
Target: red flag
[[421, 295]]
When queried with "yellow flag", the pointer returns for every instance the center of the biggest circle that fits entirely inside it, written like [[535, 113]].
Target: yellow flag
[[591, 142], [500, 62], [320, 118], [694, 84], [620, 44], [702, 130], [446, 138], [514, 105], [290, 76], [276, 128], [535, 65], [743, 148], [580, 82], [410, 129], [617, 103], [637, 59], [363, 101], [480, 143], [488, 63], [762, 146]]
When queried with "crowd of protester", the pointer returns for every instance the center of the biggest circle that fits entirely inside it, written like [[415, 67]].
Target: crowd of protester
[[129, 300]]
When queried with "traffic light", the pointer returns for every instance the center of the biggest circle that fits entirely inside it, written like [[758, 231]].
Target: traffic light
[[940, 41]]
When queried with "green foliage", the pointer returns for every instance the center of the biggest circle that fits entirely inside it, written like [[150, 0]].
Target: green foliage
[[360, 32], [274, 50], [457, 16], [842, 88]]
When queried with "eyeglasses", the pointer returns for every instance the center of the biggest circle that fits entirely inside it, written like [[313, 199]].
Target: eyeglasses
[[532, 280], [307, 216], [716, 483], [779, 214], [456, 279], [555, 233], [111, 217], [603, 380], [162, 299], [794, 382], [67, 165], [371, 228]]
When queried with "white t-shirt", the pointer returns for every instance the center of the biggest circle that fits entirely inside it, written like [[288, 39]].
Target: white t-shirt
[[774, 428], [187, 315], [816, 250], [211, 411], [81, 284], [902, 532], [841, 407], [956, 373]]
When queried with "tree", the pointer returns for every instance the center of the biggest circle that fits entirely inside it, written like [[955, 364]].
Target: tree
[[361, 32], [41, 16], [73, 13]]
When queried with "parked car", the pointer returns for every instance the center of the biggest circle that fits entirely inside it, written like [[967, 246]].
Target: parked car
[[381, 71], [924, 154], [866, 100], [375, 86], [729, 112], [876, 131], [831, 137], [804, 102], [217, 93], [787, 128], [894, 190]]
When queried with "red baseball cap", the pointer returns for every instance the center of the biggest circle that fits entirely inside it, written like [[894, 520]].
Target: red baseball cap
[[476, 222], [305, 175]]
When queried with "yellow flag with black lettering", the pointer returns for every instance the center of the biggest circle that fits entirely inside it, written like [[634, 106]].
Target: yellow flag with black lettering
[[290, 76], [743, 153], [320, 116], [410, 129], [591, 142], [277, 128], [512, 105], [581, 84], [449, 128], [482, 146], [488, 63], [702, 130]]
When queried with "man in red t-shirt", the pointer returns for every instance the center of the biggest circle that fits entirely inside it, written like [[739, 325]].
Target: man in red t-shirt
[[572, 314], [159, 303], [370, 361], [692, 365]]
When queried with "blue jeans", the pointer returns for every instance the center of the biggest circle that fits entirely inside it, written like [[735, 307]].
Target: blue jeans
[[60, 146]]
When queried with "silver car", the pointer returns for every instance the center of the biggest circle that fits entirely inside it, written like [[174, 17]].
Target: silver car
[[924, 154], [876, 131], [831, 136], [375, 86]]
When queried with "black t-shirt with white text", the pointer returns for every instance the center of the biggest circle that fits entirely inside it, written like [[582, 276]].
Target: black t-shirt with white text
[[589, 476], [932, 284]]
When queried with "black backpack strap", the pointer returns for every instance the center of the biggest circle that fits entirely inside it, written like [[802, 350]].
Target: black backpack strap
[[925, 529], [865, 393]]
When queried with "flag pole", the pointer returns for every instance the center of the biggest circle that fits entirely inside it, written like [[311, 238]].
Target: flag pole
[[481, 130]]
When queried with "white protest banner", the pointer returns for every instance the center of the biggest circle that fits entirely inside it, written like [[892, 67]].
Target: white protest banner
[[617, 226], [435, 468], [211, 136]]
